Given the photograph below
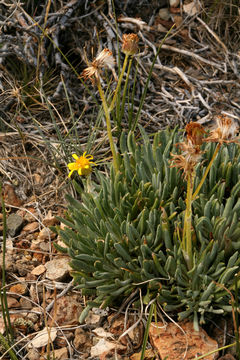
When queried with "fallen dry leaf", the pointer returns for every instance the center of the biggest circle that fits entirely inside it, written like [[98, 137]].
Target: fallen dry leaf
[[43, 337]]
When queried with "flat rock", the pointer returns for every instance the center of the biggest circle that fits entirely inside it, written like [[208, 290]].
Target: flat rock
[[14, 224], [171, 342], [39, 270], [66, 310], [18, 289], [58, 269], [33, 226]]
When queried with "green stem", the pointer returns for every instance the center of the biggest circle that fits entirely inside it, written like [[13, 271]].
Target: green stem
[[146, 333], [187, 240], [5, 312], [206, 172], [119, 83], [109, 129], [8, 349], [214, 351], [125, 88]]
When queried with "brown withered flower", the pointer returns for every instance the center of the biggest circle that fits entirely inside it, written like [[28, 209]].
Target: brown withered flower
[[130, 44], [190, 157], [104, 60], [195, 133], [225, 132], [190, 149]]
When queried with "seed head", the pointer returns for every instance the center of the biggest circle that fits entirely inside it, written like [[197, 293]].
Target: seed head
[[104, 60], [130, 44], [225, 132]]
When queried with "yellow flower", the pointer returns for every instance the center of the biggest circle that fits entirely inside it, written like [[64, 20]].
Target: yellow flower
[[82, 164], [103, 60], [130, 44]]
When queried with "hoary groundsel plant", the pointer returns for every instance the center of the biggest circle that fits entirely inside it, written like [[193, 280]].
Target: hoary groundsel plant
[[129, 231]]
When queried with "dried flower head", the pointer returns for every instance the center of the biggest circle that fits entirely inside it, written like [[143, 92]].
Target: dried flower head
[[82, 164], [190, 157], [195, 133], [190, 149], [225, 132], [104, 60], [130, 44]]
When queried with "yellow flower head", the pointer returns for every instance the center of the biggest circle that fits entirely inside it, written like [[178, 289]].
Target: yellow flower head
[[82, 164], [104, 60], [130, 44]]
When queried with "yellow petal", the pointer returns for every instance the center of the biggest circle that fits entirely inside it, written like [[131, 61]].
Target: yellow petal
[[69, 175], [72, 166], [75, 156]]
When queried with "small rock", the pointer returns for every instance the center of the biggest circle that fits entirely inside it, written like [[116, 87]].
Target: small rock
[[9, 246], [43, 337], [12, 302], [61, 243], [33, 226], [23, 266], [59, 354], [25, 303], [50, 220], [104, 347], [10, 196], [44, 246], [174, 3], [58, 269], [33, 354], [14, 224], [81, 339], [9, 262], [92, 319], [39, 270], [164, 14], [191, 8], [18, 289], [66, 310], [44, 234], [27, 214], [170, 341]]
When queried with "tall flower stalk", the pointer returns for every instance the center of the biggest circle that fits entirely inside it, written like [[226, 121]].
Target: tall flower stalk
[[94, 72], [191, 154]]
